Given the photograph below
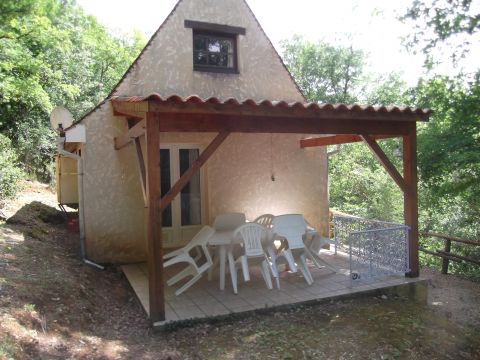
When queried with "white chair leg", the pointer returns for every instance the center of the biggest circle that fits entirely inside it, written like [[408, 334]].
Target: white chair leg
[[313, 258], [246, 272], [274, 269], [176, 278], [215, 263], [305, 271], [233, 272], [291, 262], [266, 274], [188, 284]]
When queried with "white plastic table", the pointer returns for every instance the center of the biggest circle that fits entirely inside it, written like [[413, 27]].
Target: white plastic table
[[222, 239]]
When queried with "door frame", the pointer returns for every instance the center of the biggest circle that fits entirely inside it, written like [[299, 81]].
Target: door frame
[[175, 231]]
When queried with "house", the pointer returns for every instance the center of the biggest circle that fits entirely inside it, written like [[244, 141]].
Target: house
[[208, 119]]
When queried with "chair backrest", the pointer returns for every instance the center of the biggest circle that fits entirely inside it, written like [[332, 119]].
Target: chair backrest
[[252, 235], [265, 220], [228, 221], [200, 238], [292, 227]]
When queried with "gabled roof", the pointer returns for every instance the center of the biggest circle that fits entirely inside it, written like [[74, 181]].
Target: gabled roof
[[152, 38]]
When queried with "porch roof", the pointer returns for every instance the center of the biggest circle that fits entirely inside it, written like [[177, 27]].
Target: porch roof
[[149, 115], [136, 106]]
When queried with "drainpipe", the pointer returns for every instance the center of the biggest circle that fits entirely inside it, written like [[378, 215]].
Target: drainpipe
[[81, 216]]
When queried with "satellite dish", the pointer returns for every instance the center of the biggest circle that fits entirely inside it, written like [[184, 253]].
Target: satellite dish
[[60, 118]]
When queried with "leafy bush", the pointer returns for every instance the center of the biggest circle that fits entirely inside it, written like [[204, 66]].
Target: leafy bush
[[10, 174]]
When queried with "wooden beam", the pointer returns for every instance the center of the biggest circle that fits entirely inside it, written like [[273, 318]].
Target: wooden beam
[[141, 168], [410, 198], [451, 238], [129, 109], [384, 160], [192, 170], [154, 221], [132, 133], [180, 122], [337, 140]]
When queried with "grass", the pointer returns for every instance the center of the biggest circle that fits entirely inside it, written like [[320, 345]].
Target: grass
[[29, 307], [8, 349]]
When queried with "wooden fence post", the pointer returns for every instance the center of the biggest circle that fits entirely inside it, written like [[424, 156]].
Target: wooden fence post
[[445, 261]]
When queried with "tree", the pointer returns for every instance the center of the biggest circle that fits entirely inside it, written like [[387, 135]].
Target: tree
[[436, 22], [52, 54], [449, 145], [358, 184], [325, 72]]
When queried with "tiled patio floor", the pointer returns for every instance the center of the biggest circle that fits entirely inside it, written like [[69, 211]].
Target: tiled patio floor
[[205, 299]]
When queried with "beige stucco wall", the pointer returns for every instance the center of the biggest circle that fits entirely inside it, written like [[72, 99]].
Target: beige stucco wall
[[238, 174]]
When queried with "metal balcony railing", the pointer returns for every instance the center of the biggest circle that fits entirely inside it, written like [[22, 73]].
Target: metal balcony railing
[[375, 248]]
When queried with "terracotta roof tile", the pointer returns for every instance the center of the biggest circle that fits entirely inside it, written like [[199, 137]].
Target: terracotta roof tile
[[310, 106]]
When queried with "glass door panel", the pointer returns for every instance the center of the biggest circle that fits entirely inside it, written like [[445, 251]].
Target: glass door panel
[[190, 196], [182, 219], [165, 184]]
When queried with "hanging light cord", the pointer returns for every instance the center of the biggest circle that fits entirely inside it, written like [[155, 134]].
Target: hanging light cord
[[271, 158]]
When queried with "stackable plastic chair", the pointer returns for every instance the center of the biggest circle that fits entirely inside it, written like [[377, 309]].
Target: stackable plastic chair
[[253, 254], [265, 220], [293, 227], [195, 266]]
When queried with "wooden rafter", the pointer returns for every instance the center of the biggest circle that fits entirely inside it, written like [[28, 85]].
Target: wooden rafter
[[135, 110], [132, 133], [337, 140], [141, 168], [385, 161], [192, 170]]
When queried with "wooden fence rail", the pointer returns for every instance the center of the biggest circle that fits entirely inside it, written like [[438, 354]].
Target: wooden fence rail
[[446, 254]]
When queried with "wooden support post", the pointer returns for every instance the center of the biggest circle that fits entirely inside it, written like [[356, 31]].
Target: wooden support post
[[192, 170], [154, 220], [410, 203], [445, 261]]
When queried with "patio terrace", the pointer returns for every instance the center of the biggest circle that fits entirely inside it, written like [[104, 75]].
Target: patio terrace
[[205, 300]]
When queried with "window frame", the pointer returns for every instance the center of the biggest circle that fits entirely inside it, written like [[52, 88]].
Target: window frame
[[225, 32], [214, 68]]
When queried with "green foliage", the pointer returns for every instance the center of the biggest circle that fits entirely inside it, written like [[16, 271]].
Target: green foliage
[[440, 21], [52, 54], [449, 162], [357, 182], [325, 72], [360, 186], [10, 174]]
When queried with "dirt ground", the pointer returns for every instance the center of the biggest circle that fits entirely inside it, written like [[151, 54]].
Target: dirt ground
[[53, 306]]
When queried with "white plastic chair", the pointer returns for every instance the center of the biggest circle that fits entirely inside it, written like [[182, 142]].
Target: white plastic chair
[[265, 220], [228, 221], [253, 254], [293, 227], [194, 268]]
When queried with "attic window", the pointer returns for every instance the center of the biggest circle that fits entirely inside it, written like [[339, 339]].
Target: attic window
[[214, 47]]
